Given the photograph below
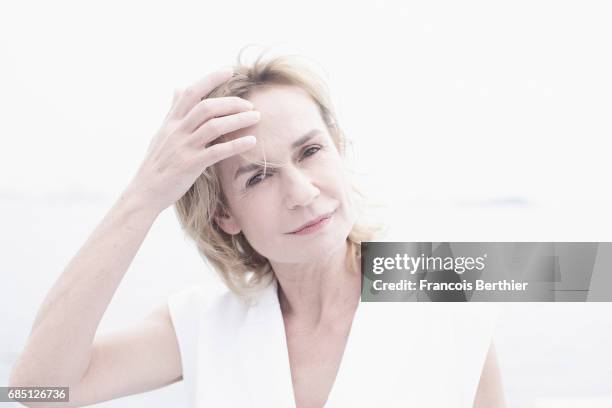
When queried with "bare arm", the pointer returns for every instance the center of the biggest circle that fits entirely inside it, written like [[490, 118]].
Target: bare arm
[[490, 392], [143, 358], [61, 350]]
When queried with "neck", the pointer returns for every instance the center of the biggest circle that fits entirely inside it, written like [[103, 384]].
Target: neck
[[319, 291]]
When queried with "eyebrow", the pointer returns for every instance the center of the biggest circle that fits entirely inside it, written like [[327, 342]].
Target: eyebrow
[[254, 166]]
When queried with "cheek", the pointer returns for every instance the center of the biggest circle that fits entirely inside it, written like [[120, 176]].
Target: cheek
[[341, 177], [349, 199], [258, 219], [264, 233]]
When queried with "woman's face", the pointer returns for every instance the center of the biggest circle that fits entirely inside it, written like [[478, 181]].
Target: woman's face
[[312, 182]]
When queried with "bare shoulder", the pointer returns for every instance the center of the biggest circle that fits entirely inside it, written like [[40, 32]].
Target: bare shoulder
[[141, 358]]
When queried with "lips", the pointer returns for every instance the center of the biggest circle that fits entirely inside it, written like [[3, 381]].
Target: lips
[[314, 221]]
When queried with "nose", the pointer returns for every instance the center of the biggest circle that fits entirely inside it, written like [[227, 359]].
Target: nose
[[299, 188]]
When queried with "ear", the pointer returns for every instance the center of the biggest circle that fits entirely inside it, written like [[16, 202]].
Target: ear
[[227, 223]]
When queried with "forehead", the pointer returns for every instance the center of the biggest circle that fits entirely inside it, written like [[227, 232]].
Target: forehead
[[284, 109], [287, 112]]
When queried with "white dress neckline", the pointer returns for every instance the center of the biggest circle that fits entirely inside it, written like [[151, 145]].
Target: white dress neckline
[[395, 351]]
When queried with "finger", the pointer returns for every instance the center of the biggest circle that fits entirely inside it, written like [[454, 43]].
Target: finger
[[175, 97], [222, 125], [194, 93], [211, 108], [222, 151]]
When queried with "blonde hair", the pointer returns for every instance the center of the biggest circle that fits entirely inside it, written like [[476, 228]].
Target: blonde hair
[[241, 267]]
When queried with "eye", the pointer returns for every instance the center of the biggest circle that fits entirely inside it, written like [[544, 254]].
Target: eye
[[313, 149], [255, 180]]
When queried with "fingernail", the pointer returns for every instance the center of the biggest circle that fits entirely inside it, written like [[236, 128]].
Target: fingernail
[[250, 140]]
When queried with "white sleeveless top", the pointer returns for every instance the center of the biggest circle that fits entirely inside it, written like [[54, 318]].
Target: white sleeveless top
[[413, 354]]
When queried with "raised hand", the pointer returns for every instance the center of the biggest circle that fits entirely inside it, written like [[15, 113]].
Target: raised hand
[[178, 153]]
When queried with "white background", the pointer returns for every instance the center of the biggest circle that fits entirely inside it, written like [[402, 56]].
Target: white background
[[470, 120]]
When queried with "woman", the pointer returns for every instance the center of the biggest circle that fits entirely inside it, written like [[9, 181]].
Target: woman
[[253, 160]]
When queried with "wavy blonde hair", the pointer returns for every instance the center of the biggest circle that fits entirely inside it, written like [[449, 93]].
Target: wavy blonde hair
[[241, 267]]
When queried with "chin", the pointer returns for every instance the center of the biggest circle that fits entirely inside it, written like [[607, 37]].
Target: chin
[[323, 244]]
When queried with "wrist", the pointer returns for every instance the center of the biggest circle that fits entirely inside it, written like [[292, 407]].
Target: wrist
[[134, 203]]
